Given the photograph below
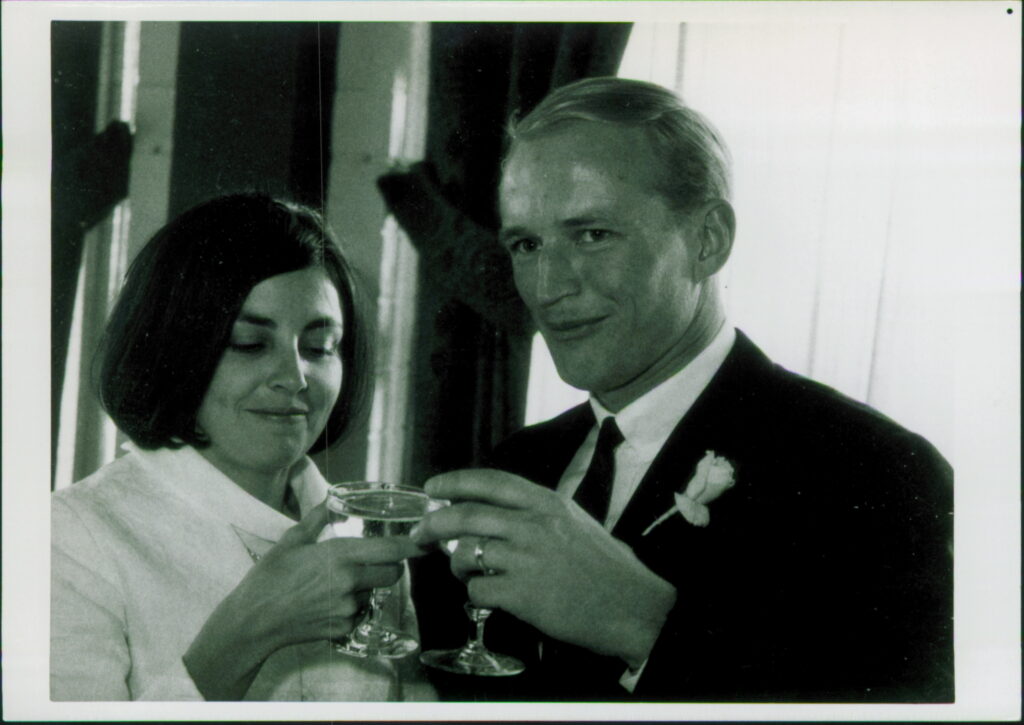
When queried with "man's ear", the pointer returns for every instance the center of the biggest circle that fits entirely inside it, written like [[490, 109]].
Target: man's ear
[[715, 227]]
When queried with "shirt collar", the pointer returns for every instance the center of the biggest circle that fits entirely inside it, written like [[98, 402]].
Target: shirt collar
[[189, 475], [647, 422]]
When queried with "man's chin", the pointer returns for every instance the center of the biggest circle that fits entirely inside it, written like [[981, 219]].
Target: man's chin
[[578, 371]]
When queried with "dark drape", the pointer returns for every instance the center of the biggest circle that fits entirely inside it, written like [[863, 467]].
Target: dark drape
[[253, 111], [473, 333], [89, 176]]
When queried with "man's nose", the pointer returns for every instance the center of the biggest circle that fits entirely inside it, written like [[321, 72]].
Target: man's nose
[[289, 371], [556, 276]]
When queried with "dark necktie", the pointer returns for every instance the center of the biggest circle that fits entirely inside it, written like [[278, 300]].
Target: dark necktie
[[595, 490]]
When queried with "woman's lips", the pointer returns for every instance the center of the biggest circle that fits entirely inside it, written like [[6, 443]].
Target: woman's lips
[[281, 415]]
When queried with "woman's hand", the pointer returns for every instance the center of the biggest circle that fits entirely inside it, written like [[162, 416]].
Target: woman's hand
[[300, 591]]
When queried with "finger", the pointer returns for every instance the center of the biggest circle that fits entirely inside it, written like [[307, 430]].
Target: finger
[[448, 546], [308, 529], [488, 485], [332, 626], [496, 557], [468, 519], [462, 547], [337, 628], [370, 576], [382, 550], [346, 583], [429, 545], [463, 562], [489, 591]]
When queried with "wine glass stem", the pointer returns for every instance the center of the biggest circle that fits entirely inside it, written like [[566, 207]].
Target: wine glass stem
[[479, 616], [377, 599]]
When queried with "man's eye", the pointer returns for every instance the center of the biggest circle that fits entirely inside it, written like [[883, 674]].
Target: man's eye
[[526, 245], [591, 236]]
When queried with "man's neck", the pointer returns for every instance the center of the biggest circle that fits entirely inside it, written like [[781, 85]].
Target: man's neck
[[691, 344]]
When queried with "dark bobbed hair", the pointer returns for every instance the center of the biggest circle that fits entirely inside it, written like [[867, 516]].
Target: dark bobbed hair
[[694, 161], [173, 318]]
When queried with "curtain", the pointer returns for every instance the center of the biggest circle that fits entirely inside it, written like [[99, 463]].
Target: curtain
[[473, 333], [250, 112], [89, 177]]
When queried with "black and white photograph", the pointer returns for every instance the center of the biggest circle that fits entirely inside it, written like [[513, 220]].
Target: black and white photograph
[[511, 361]]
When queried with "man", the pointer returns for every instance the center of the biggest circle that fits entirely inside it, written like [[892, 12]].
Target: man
[[710, 527]]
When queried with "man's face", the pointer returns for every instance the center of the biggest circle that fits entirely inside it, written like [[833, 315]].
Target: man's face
[[605, 266]]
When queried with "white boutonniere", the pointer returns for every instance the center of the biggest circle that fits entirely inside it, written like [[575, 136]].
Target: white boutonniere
[[714, 476]]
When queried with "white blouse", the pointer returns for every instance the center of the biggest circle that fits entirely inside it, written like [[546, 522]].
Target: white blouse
[[142, 553]]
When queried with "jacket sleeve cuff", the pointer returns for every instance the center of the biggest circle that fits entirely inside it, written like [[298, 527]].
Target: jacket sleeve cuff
[[630, 677]]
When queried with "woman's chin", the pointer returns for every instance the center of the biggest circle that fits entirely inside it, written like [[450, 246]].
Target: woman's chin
[[283, 458], [274, 457]]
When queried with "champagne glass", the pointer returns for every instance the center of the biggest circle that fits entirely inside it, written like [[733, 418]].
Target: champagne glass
[[473, 658], [365, 509]]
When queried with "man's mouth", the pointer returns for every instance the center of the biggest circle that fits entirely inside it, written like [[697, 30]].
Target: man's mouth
[[572, 329]]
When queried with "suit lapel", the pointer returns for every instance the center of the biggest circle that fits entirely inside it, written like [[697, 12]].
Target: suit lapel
[[541, 453], [718, 420], [722, 419]]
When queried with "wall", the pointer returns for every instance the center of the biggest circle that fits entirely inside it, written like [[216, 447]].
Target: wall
[[378, 117]]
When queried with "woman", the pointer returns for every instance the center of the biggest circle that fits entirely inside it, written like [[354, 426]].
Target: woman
[[179, 571]]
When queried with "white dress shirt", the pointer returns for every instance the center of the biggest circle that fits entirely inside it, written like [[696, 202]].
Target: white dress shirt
[[144, 550], [646, 424]]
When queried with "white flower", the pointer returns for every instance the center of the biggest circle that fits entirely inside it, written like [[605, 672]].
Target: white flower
[[713, 477]]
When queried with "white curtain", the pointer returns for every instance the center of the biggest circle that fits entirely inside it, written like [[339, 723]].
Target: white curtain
[[872, 187]]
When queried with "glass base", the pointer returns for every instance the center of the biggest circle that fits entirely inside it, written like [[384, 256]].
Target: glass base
[[381, 642], [471, 660]]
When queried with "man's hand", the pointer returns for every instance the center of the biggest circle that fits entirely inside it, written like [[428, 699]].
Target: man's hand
[[555, 567]]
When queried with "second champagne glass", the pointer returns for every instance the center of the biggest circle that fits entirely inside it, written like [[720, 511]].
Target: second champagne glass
[[473, 658], [365, 509]]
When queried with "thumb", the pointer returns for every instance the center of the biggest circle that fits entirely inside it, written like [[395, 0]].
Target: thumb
[[308, 529]]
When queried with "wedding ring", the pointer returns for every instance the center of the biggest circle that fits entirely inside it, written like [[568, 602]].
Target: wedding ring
[[478, 555]]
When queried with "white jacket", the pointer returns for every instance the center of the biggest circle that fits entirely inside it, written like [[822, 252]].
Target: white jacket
[[144, 550]]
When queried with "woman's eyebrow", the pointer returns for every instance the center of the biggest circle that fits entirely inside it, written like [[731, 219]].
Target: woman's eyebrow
[[318, 323], [323, 322], [252, 319]]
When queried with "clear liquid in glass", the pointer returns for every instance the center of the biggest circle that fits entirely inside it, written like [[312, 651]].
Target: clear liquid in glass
[[369, 510]]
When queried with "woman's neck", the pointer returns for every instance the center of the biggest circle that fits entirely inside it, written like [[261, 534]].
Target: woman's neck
[[267, 486]]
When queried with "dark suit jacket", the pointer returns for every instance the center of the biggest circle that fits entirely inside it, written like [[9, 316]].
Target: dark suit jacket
[[825, 573]]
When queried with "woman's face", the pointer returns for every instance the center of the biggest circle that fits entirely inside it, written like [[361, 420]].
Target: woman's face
[[278, 379]]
